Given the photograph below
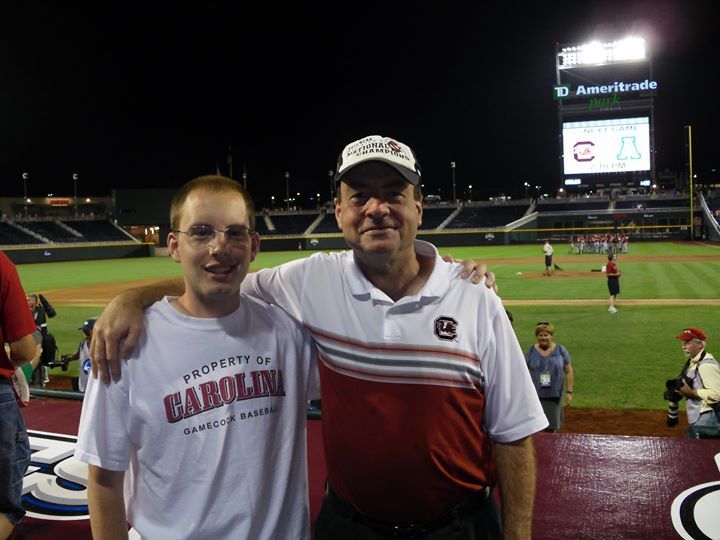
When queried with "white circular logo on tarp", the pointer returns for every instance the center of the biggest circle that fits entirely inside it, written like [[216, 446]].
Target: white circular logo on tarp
[[695, 512]]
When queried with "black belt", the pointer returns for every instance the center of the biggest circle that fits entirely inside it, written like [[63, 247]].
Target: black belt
[[412, 529]]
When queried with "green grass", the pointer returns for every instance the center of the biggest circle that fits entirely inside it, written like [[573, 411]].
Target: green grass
[[620, 361]]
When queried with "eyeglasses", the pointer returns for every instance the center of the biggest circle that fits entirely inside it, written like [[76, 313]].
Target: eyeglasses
[[202, 235]]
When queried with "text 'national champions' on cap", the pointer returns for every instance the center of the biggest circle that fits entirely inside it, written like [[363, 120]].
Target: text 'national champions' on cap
[[378, 148]]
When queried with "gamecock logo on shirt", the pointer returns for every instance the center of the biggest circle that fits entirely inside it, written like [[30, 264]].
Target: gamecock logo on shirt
[[446, 328]]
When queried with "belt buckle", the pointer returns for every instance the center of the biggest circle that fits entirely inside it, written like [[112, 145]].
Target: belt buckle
[[410, 530]]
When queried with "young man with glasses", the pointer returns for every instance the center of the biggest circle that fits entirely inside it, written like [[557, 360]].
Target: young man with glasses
[[205, 434]]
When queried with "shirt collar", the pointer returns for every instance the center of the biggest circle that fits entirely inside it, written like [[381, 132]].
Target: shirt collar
[[436, 285]]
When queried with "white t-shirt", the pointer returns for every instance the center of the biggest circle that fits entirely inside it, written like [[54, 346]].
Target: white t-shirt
[[209, 421], [548, 249]]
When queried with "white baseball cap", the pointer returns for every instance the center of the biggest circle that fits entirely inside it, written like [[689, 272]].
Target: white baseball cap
[[378, 148]]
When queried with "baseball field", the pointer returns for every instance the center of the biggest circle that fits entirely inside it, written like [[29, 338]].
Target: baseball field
[[621, 361]]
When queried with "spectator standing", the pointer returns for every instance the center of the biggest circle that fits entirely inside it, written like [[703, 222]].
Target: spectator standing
[[551, 371], [16, 330], [82, 354], [42, 310], [613, 281], [702, 395], [413, 357], [548, 250]]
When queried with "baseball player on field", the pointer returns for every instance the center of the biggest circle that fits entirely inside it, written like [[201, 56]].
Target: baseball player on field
[[427, 402], [205, 434]]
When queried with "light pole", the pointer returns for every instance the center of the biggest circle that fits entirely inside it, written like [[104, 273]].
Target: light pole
[[332, 184], [452, 168], [75, 181], [691, 181], [245, 180], [470, 193], [272, 201], [526, 189], [25, 177], [287, 189]]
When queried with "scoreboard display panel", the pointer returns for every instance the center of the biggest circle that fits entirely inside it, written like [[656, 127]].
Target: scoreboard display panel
[[618, 145]]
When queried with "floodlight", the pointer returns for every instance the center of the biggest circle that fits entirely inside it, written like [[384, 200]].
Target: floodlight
[[631, 49]]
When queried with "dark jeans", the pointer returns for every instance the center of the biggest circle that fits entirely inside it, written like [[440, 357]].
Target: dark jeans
[[14, 454], [337, 521]]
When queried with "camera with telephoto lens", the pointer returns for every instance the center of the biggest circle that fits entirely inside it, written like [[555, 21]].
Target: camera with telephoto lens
[[672, 389], [673, 396]]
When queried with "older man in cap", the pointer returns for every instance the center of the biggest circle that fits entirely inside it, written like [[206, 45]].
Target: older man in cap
[[702, 370]]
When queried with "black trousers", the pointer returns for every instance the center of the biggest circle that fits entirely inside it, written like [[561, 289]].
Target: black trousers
[[338, 521]]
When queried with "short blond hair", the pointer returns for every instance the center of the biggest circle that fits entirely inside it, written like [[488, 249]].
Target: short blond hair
[[544, 327], [211, 182]]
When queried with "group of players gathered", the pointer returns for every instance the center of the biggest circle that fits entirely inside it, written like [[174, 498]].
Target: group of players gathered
[[599, 243]]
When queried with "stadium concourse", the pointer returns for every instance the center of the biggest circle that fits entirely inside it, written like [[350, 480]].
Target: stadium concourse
[[589, 486]]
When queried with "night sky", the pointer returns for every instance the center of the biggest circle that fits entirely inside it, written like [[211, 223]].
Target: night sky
[[155, 95]]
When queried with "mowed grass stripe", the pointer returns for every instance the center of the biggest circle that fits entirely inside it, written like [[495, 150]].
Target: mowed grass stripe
[[705, 276]]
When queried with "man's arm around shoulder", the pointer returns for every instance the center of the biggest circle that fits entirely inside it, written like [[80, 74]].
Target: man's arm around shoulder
[[122, 319], [515, 463], [107, 507]]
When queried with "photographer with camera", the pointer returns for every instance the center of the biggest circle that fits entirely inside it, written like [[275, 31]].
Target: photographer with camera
[[699, 384], [42, 310]]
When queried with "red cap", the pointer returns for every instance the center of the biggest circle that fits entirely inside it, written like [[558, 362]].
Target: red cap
[[692, 333]]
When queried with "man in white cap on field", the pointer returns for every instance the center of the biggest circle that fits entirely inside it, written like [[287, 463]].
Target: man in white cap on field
[[426, 400]]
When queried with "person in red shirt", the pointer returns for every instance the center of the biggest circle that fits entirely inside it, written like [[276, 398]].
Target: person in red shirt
[[16, 330], [613, 281]]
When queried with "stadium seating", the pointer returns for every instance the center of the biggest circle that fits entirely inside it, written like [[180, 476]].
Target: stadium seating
[[474, 217], [434, 216], [12, 236], [328, 225], [288, 224], [97, 231], [52, 231], [572, 205]]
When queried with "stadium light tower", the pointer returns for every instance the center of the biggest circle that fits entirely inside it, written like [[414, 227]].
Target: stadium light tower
[[287, 189], [631, 49], [75, 199], [601, 81], [452, 167], [332, 184]]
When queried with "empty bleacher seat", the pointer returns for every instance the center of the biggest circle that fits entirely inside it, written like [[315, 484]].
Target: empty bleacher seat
[[472, 217], [51, 230], [97, 231], [12, 236], [292, 223], [433, 217]]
